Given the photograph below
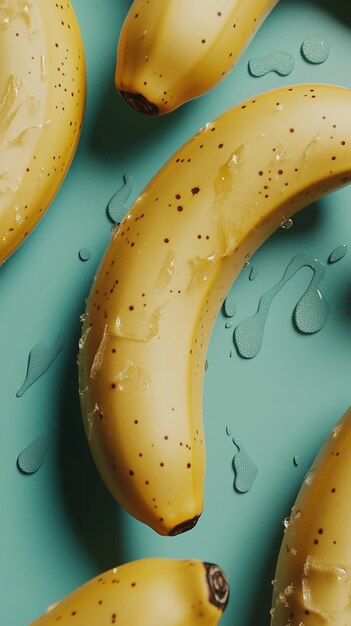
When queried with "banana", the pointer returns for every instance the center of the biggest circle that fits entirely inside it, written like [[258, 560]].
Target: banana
[[312, 583], [149, 592], [173, 51], [165, 275], [42, 98]]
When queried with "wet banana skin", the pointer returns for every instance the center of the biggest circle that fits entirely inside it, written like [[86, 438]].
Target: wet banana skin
[[312, 585], [173, 51], [157, 592], [165, 275], [42, 99]]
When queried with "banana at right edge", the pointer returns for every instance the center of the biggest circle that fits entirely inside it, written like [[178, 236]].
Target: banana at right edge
[[166, 273], [312, 584]]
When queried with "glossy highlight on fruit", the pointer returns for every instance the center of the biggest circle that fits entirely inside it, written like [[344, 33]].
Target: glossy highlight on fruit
[[157, 592], [166, 273], [42, 99], [313, 576], [172, 51]]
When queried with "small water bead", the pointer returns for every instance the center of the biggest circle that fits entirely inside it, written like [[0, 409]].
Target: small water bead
[[84, 254], [40, 359], [116, 208], [296, 460], [337, 254], [287, 223], [245, 470], [315, 50], [308, 477], [228, 430], [229, 324], [253, 272], [32, 457], [280, 62]]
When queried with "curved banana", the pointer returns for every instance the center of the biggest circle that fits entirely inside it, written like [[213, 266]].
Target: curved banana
[[312, 583], [42, 98], [157, 592], [172, 51], [165, 275]]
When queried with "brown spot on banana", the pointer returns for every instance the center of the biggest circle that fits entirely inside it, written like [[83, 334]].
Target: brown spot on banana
[[143, 369]]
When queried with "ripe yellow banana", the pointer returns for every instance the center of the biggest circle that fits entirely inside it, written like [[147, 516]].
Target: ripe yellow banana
[[149, 592], [42, 96], [172, 51], [312, 583], [165, 275]]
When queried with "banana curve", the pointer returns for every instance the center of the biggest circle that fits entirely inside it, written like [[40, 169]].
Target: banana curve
[[162, 592], [42, 100], [164, 277], [312, 579]]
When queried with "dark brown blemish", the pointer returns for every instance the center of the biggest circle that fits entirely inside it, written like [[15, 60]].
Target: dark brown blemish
[[218, 586], [138, 102], [184, 526]]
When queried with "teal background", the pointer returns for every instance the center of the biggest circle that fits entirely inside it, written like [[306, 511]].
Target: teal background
[[60, 527]]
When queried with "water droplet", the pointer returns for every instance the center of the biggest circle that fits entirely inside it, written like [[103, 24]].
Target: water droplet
[[286, 522], [315, 50], [280, 62], [84, 254], [32, 457], [116, 208], [336, 430], [253, 272], [229, 324], [338, 253], [40, 359], [311, 312], [245, 470], [287, 223], [308, 477], [229, 305], [296, 460], [310, 315], [228, 430]]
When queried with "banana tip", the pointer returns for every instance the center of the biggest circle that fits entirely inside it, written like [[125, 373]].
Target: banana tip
[[138, 102], [184, 526], [218, 585]]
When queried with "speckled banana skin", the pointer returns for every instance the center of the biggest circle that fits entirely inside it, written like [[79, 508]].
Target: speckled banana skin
[[172, 51], [149, 592], [164, 277], [312, 583], [42, 96]]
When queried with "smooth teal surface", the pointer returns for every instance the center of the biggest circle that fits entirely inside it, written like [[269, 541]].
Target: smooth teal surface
[[60, 527]]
